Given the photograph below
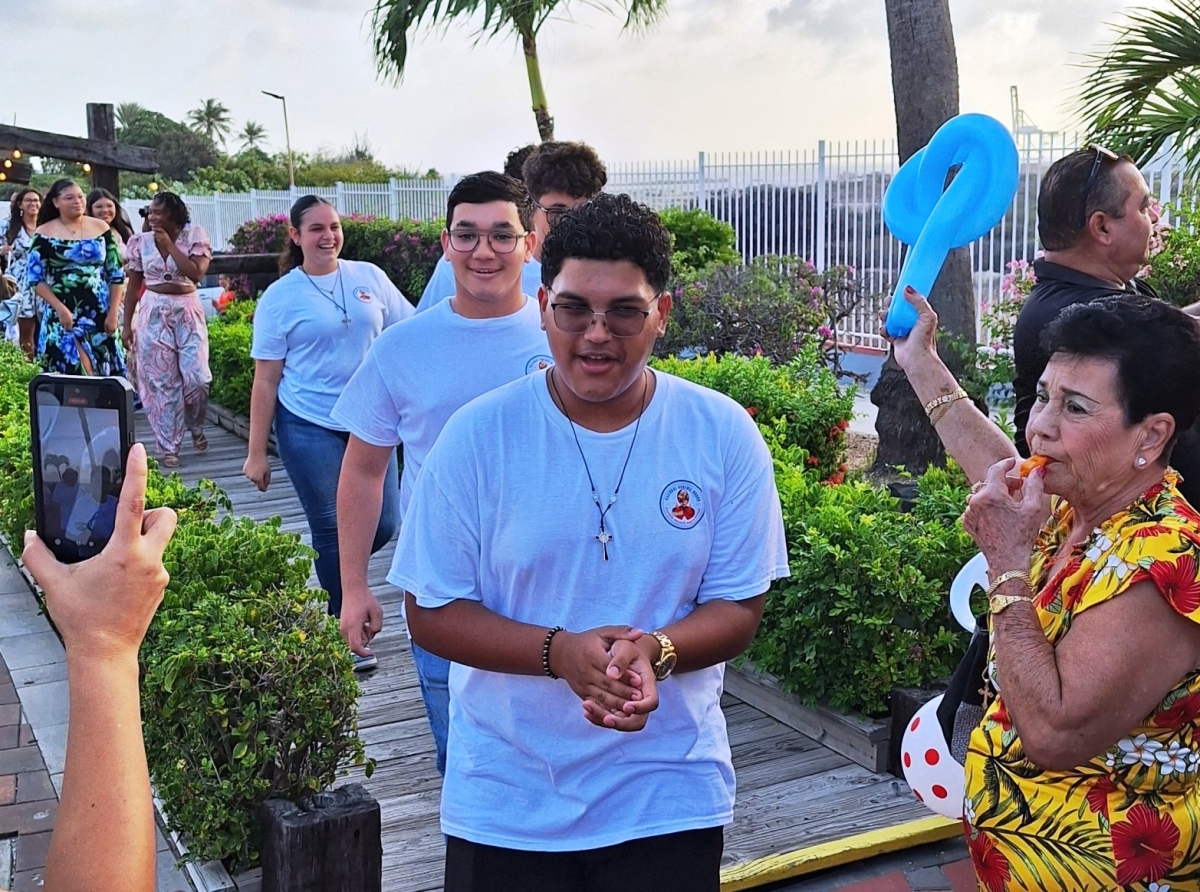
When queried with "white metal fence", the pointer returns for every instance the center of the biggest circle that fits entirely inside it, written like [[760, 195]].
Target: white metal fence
[[822, 205]]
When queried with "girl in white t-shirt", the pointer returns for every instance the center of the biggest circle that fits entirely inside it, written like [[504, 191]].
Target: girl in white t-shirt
[[312, 329]]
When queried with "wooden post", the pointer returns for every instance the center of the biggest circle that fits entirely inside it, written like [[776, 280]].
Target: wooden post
[[102, 127], [329, 843]]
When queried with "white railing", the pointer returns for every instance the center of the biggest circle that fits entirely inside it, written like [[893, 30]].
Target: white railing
[[822, 205]]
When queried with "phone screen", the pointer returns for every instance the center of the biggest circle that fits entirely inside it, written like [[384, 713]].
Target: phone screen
[[81, 469]]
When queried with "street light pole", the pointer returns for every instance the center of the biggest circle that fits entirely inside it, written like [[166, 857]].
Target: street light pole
[[288, 136]]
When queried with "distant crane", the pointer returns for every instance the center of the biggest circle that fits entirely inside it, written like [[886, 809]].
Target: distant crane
[[1021, 123]]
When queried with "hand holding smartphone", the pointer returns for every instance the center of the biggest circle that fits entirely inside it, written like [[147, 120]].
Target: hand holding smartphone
[[82, 430]]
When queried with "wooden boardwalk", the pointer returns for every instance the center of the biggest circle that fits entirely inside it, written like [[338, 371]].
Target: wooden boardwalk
[[792, 791]]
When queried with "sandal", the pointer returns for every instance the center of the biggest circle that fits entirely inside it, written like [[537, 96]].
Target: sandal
[[200, 442], [169, 460]]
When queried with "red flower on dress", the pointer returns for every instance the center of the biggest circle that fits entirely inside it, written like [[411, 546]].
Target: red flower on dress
[[1150, 530], [1180, 714], [1178, 582], [991, 867], [1097, 797], [1184, 511], [1144, 845], [1001, 716]]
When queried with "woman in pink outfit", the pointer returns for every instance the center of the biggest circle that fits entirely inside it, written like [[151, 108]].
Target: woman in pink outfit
[[171, 344]]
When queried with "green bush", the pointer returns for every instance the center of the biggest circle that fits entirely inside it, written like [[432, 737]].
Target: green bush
[[799, 404], [698, 241], [229, 338], [406, 250], [866, 606], [248, 689], [772, 306], [1174, 268]]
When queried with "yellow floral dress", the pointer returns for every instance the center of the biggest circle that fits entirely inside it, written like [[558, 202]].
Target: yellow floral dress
[[1129, 819]]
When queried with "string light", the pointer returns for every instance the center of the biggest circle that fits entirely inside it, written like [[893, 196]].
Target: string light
[[87, 168], [153, 187], [17, 154], [7, 163], [3, 176]]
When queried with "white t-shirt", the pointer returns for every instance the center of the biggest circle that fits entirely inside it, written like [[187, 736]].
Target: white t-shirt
[[442, 285], [295, 322], [503, 515], [420, 373]]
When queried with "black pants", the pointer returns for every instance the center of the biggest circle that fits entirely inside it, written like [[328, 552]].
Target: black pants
[[677, 862]]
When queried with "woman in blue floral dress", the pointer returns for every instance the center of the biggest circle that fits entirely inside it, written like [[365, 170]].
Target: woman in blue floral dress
[[74, 266]]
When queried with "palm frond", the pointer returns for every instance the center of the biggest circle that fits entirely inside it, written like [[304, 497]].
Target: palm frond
[[1145, 83]]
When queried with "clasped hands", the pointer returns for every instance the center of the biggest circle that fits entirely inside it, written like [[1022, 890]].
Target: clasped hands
[[611, 669]]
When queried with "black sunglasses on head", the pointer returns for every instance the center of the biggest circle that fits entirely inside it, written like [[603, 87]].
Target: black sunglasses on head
[[1102, 155]]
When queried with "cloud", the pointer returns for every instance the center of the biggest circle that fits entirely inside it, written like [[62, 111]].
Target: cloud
[[825, 20]]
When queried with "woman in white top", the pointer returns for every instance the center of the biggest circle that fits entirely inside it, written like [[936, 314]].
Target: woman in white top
[[312, 329], [14, 249]]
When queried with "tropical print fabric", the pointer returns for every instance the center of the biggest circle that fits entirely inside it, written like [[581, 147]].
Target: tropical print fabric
[[17, 261], [79, 273], [1129, 819]]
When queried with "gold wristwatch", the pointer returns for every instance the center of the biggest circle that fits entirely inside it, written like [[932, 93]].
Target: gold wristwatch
[[666, 657]]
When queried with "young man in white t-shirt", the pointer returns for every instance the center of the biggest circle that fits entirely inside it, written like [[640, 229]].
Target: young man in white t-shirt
[[416, 377], [556, 519], [558, 176]]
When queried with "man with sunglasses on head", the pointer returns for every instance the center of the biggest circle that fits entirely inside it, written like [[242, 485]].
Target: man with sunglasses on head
[[588, 620], [558, 176], [416, 377], [1095, 220]]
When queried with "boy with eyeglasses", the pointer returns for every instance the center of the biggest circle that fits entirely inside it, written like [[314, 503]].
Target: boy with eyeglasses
[[417, 376], [588, 545], [558, 176]]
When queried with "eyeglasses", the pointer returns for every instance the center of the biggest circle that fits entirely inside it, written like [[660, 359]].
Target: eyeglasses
[[553, 214], [501, 241], [1102, 155], [576, 318]]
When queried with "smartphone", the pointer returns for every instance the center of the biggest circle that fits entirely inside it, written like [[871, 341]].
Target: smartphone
[[82, 430]]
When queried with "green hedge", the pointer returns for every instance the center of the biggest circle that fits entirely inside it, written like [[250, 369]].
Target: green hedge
[[800, 403], [247, 687]]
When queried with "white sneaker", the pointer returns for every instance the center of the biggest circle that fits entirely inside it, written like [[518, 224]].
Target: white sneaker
[[364, 664]]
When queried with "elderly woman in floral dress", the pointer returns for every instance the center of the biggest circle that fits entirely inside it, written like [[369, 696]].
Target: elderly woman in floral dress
[[1085, 771]]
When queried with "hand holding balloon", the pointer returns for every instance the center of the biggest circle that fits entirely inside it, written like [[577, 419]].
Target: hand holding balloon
[[921, 212]]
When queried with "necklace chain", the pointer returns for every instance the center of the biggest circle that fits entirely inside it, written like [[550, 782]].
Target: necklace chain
[[603, 537], [328, 295]]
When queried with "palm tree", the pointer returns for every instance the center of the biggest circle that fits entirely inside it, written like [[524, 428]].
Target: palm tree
[[925, 95], [212, 119], [252, 134], [128, 112], [1143, 94], [392, 20]]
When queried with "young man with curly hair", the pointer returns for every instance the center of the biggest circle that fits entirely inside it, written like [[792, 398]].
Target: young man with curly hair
[[587, 620], [558, 175]]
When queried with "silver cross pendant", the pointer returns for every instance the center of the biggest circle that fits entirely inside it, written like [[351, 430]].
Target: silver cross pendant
[[346, 321], [604, 538]]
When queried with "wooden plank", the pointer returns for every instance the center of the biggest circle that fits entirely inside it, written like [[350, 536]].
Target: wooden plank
[[102, 128], [74, 148], [243, 264]]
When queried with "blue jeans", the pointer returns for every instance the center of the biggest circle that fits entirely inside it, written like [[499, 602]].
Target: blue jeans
[[312, 456], [433, 673]]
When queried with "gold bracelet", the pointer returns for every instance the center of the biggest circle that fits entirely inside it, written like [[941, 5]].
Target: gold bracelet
[[946, 400], [999, 603]]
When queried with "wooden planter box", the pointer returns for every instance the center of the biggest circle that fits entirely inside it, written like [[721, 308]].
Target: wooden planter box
[[861, 740], [238, 425]]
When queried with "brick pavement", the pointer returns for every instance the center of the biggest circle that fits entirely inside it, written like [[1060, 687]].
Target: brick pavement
[[936, 867], [28, 801]]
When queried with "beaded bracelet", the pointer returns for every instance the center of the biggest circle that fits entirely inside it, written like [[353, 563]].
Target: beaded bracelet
[[546, 651]]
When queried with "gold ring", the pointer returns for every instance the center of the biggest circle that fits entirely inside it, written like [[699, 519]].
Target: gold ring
[[975, 487]]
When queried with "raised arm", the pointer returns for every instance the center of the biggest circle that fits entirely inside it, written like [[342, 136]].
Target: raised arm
[[970, 437], [104, 835]]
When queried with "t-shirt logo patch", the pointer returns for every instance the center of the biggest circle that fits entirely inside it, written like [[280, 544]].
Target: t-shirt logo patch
[[682, 504], [539, 363], [363, 294]]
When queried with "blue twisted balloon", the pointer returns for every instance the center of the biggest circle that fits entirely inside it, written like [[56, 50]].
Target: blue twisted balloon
[[934, 220]]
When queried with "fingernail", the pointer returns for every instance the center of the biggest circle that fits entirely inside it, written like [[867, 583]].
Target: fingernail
[[29, 534], [908, 289]]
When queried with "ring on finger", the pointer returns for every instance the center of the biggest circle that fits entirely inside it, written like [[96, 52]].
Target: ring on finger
[[976, 487]]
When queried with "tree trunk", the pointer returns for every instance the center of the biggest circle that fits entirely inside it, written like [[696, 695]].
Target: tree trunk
[[925, 93], [541, 108]]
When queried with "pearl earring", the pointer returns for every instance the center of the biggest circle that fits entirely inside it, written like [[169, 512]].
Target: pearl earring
[[1141, 462]]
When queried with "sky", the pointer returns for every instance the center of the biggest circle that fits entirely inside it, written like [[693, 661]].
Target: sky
[[714, 75]]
